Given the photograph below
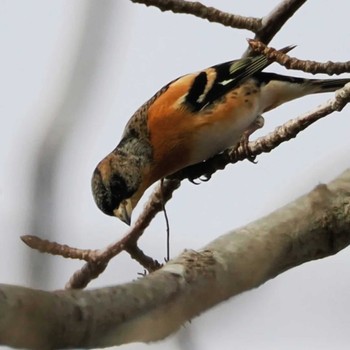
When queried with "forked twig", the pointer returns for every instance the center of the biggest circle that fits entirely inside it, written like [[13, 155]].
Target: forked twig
[[90, 270], [264, 28], [275, 20]]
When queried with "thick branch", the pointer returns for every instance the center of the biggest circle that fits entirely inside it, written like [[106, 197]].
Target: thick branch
[[153, 307], [274, 21]]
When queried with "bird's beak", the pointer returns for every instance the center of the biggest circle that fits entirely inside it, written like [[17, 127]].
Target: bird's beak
[[124, 211]]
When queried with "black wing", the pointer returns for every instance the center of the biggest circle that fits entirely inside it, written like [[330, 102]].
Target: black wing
[[227, 76]]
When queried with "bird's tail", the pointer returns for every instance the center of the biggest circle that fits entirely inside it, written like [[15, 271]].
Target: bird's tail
[[327, 85], [278, 89], [312, 86]]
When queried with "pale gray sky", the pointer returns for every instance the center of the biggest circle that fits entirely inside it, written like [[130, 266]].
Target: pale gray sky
[[119, 59]]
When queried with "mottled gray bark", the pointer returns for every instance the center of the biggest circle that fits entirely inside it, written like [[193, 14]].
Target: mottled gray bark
[[312, 227]]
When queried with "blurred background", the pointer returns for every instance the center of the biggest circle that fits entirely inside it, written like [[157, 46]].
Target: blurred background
[[72, 74]]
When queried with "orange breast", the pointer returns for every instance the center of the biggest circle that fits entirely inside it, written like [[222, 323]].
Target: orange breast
[[169, 131], [181, 138]]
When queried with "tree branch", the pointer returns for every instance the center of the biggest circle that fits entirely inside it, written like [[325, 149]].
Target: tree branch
[[275, 20], [153, 307], [307, 66], [93, 269], [209, 13]]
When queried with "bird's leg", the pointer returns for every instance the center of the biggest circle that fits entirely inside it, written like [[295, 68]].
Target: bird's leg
[[257, 124]]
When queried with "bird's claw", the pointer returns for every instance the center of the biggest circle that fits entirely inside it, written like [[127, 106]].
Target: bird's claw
[[245, 150], [257, 124], [203, 178], [193, 181], [244, 144]]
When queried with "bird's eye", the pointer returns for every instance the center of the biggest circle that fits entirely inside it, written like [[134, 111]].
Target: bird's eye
[[118, 189], [108, 194]]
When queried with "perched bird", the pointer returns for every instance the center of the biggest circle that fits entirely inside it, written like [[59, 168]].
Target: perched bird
[[190, 120]]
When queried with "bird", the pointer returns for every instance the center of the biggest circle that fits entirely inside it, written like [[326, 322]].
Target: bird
[[191, 119]]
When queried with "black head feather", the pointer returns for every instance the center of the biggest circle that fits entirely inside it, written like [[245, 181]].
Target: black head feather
[[110, 192]]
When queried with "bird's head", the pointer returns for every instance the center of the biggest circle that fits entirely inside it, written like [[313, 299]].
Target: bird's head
[[117, 185]]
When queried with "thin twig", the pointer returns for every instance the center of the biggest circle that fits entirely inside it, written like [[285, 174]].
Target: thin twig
[[89, 271], [54, 248], [209, 13], [144, 260], [307, 66]]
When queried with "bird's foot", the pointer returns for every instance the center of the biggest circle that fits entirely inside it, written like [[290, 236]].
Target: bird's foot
[[257, 124]]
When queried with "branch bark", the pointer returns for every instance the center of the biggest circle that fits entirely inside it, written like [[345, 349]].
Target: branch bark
[[209, 13], [307, 66], [275, 20], [153, 307], [264, 28]]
